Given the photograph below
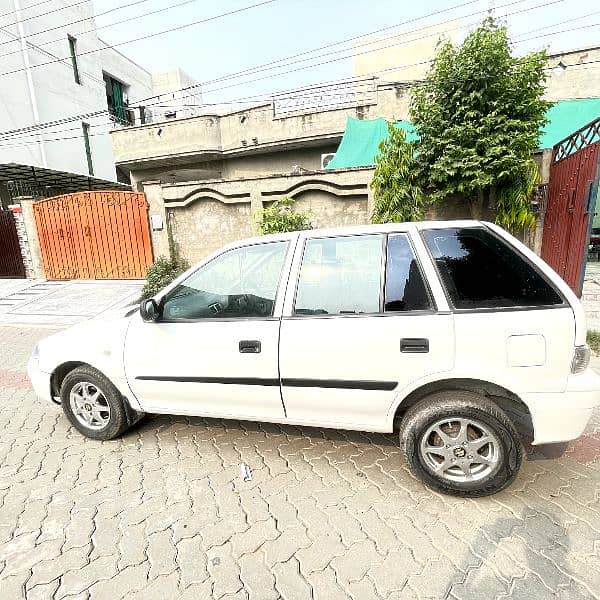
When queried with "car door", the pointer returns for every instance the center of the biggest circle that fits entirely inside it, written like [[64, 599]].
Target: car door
[[359, 327], [214, 350]]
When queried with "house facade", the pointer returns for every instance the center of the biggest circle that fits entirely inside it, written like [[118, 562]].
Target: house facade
[[56, 68]]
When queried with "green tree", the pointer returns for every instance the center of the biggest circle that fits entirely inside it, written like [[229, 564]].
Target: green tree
[[281, 217], [478, 115], [397, 192]]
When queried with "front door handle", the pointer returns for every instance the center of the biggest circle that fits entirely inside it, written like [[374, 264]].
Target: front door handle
[[249, 346], [415, 345]]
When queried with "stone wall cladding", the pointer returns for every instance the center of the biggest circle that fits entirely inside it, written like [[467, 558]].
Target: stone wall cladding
[[206, 225], [23, 240]]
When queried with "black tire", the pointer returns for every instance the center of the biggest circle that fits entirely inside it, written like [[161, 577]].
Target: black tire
[[505, 449], [117, 416]]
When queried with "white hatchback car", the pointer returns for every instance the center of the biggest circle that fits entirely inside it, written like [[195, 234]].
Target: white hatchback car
[[454, 333]]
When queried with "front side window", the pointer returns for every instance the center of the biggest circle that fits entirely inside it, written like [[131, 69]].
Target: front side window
[[340, 275], [480, 270], [241, 283], [404, 285]]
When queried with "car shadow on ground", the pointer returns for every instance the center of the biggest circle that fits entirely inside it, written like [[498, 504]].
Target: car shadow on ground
[[152, 421]]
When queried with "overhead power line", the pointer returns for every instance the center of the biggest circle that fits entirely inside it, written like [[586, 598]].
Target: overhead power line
[[333, 60], [42, 126], [277, 63], [47, 12], [13, 12], [394, 68], [149, 35], [95, 29]]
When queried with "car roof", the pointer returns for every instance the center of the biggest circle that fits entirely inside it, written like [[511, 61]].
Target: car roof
[[358, 229]]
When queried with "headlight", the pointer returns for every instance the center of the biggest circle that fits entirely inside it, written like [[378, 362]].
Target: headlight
[[35, 353], [581, 359]]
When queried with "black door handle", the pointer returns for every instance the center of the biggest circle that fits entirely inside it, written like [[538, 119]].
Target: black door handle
[[249, 346], [415, 345]]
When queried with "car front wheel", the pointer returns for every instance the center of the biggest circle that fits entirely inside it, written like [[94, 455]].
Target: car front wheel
[[93, 404], [461, 443]]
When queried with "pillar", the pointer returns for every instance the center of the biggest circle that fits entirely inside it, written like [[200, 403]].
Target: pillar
[[256, 205], [37, 266], [157, 216]]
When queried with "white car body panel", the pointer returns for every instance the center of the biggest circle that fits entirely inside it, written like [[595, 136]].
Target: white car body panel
[[526, 351]]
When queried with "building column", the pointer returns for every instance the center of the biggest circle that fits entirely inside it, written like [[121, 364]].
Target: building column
[[37, 266], [256, 205], [370, 202], [157, 216]]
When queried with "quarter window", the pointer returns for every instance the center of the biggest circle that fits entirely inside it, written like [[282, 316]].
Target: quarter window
[[240, 283], [404, 286], [480, 270], [340, 275]]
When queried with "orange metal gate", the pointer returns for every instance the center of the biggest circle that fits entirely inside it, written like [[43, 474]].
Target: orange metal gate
[[94, 235]]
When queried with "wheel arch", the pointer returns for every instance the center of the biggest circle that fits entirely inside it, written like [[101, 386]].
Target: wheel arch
[[62, 370], [505, 399]]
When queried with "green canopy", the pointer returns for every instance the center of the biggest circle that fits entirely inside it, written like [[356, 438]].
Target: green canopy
[[567, 116], [360, 143]]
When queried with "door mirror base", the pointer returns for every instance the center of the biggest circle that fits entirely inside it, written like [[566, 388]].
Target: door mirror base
[[149, 310]]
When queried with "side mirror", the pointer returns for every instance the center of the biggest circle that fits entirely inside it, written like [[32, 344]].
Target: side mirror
[[149, 310]]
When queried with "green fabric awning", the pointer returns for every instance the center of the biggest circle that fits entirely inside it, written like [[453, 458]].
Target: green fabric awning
[[360, 143], [568, 116]]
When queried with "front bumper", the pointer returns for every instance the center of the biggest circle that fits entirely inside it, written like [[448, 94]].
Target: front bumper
[[39, 380], [561, 417]]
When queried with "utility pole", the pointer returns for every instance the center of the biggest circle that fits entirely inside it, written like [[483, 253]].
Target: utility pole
[[30, 86]]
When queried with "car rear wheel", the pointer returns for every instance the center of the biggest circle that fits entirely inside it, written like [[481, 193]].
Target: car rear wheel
[[461, 443], [93, 404]]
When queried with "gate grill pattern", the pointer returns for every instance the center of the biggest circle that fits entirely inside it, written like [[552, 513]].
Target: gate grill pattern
[[11, 259], [94, 235], [571, 201]]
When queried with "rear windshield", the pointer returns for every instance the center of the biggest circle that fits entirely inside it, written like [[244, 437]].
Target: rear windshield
[[480, 270]]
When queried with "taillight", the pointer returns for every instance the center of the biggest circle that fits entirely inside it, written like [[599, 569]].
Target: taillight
[[581, 359]]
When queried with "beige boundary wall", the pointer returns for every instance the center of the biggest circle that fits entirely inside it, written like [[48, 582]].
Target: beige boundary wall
[[205, 215]]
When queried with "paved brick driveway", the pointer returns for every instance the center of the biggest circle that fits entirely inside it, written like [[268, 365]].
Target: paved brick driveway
[[163, 513]]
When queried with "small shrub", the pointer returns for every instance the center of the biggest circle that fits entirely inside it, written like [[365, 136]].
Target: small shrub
[[161, 273], [281, 217], [593, 340]]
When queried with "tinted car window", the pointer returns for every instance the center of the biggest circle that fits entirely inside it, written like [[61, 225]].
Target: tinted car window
[[404, 286], [480, 270], [239, 283], [340, 276]]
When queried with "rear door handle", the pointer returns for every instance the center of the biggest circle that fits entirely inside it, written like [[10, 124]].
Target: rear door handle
[[249, 346], [414, 345]]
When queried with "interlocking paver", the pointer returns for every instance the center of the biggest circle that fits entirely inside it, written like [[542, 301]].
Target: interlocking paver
[[290, 583], [191, 561], [257, 578], [163, 513]]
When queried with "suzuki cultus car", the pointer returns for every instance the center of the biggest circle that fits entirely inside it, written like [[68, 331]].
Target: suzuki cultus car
[[450, 333]]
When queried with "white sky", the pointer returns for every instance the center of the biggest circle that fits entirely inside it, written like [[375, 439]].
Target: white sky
[[284, 27]]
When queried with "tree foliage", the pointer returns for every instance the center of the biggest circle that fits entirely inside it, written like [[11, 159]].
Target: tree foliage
[[398, 194], [478, 115], [281, 217]]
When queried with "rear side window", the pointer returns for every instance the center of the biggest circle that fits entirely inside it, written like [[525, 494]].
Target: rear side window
[[480, 270], [404, 286]]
